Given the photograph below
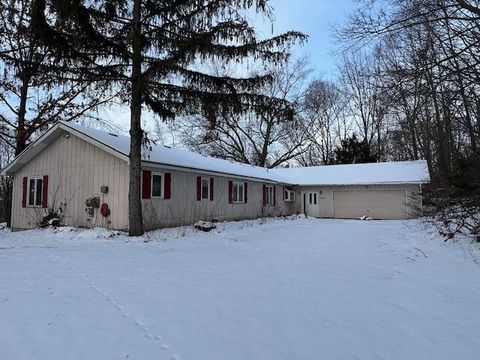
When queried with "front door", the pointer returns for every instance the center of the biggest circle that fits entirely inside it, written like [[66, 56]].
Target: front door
[[311, 203]]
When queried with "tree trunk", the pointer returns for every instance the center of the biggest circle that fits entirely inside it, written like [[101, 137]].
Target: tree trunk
[[6, 190], [135, 218], [468, 117], [262, 160], [20, 141]]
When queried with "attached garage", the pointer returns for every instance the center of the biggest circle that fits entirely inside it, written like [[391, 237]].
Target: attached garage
[[375, 203], [388, 190]]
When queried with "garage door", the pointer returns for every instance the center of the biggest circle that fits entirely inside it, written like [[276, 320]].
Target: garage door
[[378, 204]]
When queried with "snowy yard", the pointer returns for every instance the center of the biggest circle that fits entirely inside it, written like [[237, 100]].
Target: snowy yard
[[287, 289]]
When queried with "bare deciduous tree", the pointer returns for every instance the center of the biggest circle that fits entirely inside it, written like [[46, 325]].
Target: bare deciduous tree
[[268, 139]]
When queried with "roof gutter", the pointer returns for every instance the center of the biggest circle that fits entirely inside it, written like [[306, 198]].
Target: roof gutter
[[371, 183]]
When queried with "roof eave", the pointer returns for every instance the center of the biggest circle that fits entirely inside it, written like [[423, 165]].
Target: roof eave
[[418, 182], [46, 139], [211, 172], [26, 155]]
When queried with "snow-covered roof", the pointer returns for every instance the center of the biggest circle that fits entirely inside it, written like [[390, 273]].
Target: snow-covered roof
[[398, 172], [376, 173], [165, 155]]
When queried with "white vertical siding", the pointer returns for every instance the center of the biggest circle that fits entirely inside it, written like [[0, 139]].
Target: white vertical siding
[[76, 170], [184, 208]]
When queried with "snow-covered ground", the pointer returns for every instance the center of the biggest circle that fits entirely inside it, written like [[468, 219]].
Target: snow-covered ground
[[286, 289]]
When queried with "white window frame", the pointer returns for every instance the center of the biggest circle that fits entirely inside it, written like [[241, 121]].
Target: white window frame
[[201, 188], [269, 196], [238, 188], [313, 198], [162, 185], [35, 192], [289, 195]]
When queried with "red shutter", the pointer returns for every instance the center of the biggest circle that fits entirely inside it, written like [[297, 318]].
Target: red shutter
[[230, 192], [199, 188], [274, 196], [24, 192], [211, 189], [246, 192], [45, 192], [147, 184], [167, 186], [264, 194]]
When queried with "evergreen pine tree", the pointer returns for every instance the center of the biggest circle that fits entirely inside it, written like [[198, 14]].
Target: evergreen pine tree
[[153, 51], [353, 151]]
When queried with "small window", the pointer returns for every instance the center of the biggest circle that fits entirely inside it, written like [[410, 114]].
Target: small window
[[205, 188], [35, 191], [269, 197], [289, 195], [157, 185], [312, 197], [238, 192]]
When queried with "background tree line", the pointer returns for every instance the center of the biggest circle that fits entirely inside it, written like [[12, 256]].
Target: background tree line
[[406, 89]]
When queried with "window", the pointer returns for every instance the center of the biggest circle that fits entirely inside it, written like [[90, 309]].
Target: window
[[312, 200], [269, 196], [157, 185], [238, 192], [205, 189], [289, 195], [35, 189]]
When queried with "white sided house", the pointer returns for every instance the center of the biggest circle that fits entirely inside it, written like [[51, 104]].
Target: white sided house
[[82, 174]]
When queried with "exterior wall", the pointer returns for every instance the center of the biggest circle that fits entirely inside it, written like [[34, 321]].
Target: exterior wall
[[183, 208], [413, 197], [76, 169]]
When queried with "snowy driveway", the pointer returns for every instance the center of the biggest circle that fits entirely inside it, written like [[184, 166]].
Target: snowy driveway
[[288, 289]]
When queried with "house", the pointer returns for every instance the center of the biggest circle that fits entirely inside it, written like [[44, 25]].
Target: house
[[82, 173]]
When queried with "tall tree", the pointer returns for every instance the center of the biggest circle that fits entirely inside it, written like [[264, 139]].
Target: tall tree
[[153, 50], [267, 139], [432, 65], [30, 99], [324, 106], [368, 102]]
